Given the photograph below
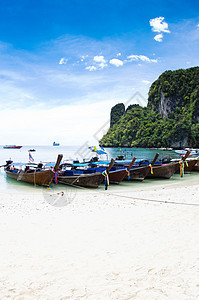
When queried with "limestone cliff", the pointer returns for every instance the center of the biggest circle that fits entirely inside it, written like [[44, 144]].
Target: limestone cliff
[[171, 118], [117, 112]]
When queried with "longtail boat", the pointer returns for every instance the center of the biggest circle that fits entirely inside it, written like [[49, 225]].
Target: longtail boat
[[167, 170], [12, 147], [196, 167], [32, 173], [188, 165], [164, 171], [118, 175], [72, 178], [140, 173]]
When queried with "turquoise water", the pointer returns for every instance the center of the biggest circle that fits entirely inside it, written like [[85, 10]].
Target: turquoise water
[[49, 154]]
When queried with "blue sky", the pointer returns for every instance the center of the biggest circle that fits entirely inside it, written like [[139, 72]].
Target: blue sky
[[71, 61]]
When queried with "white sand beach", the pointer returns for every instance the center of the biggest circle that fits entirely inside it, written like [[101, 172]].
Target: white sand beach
[[103, 245]]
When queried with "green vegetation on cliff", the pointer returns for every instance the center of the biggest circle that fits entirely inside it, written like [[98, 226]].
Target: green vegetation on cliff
[[116, 113], [171, 118]]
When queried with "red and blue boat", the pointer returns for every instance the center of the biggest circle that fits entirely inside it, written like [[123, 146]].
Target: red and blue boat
[[12, 147]]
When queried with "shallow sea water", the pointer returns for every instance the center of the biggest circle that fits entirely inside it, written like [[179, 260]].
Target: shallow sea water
[[49, 154]]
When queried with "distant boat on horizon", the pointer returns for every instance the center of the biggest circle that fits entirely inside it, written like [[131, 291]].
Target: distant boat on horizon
[[192, 151], [12, 147], [55, 144]]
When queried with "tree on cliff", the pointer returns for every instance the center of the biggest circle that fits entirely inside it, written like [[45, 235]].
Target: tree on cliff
[[171, 118]]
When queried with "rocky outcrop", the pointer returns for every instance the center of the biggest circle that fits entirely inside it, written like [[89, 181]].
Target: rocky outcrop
[[117, 112], [179, 139], [179, 144], [166, 105]]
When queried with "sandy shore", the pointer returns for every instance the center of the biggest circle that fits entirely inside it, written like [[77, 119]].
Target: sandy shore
[[101, 245]]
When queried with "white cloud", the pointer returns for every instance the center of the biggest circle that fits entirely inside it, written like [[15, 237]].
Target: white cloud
[[83, 57], [141, 57], [118, 54], [158, 37], [133, 58], [146, 81], [116, 62], [197, 26], [63, 61], [100, 63], [91, 68], [99, 59], [159, 25]]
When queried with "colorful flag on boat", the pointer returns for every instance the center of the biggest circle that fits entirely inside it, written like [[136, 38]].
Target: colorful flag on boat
[[31, 159]]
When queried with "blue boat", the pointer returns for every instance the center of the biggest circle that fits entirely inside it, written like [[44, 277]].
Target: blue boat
[[55, 144]]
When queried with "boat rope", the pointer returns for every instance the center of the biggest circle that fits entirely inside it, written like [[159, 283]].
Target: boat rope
[[76, 180], [136, 198], [120, 196], [153, 200], [71, 184]]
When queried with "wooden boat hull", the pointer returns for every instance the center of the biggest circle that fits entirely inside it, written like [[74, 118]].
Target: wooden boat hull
[[164, 171], [117, 176], [92, 180], [84, 180], [38, 178], [196, 167], [137, 174], [189, 165]]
